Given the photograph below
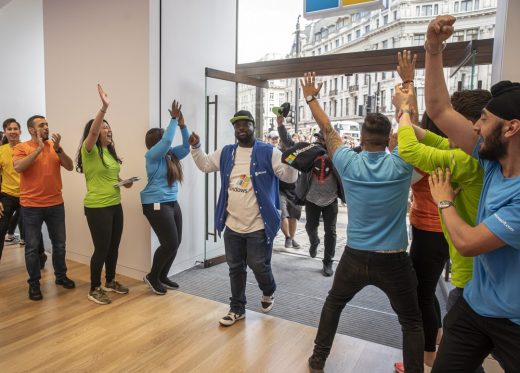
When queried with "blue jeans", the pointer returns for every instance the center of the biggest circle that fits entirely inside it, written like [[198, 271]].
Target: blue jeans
[[395, 276], [248, 249], [54, 218]]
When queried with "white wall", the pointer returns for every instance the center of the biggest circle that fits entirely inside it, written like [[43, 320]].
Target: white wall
[[22, 82], [196, 34], [87, 42]]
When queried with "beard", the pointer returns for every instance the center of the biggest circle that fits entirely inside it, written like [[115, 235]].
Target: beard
[[493, 148]]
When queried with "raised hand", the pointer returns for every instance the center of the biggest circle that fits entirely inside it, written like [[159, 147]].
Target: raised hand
[[440, 185], [406, 66], [103, 96], [56, 138], [439, 30], [41, 144], [181, 121], [309, 87], [194, 139], [175, 111], [403, 97], [279, 120]]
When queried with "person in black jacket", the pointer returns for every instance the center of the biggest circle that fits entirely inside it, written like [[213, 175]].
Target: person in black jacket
[[319, 190]]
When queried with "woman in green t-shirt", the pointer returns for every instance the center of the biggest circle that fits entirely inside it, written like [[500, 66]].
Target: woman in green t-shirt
[[98, 160]]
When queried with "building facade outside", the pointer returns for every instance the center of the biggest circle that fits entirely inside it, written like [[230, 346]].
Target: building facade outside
[[401, 24]]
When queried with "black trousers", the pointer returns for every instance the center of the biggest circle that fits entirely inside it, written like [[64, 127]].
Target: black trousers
[[394, 275], [106, 228], [429, 252], [167, 225], [330, 215], [468, 338]]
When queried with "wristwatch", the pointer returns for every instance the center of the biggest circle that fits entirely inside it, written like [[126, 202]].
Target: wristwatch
[[445, 204], [310, 98]]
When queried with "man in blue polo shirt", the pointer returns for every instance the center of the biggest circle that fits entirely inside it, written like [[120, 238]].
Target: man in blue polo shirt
[[376, 185], [247, 207], [487, 318]]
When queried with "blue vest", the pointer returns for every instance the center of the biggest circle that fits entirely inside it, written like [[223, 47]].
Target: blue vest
[[265, 185]]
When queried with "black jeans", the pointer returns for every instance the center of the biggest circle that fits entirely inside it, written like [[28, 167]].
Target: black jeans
[[10, 205], [248, 249], [429, 252], [16, 220], [468, 338], [394, 275], [167, 225], [106, 228], [330, 214]]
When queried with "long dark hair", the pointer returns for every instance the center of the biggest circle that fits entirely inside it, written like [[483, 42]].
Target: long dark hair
[[173, 163], [111, 148]]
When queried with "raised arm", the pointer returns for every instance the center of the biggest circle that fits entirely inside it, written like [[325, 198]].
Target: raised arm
[[181, 151], [437, 97], [93, 134], [406, 70], [65, 161], [164, 144], [310, 91], [204, 162], [282, 132]]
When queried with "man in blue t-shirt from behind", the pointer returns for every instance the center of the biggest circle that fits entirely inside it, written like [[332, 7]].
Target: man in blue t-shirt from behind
[[487, 317], [376, 185]]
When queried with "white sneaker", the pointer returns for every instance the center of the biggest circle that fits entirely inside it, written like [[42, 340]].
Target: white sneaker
[[231, 318], [267, 303]]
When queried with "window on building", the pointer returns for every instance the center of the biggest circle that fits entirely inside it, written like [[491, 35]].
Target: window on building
[[355, 105], [427, 10], [367, 79], [313, 53], [337, 43], [436, 9], [384, 44], [349, 38], [271, 96], [377, 23], [382, 100], [347, 103], [326, 48], [281, 97], [317, 36], [325, 107], [395, 15], [466, 5], [367, 29], [325, 87], [420, 98], [417, 11], [472, 34], [319, 51], [336, 83], [458, 36], [385, 20], [358, 33], [341, 107], [383, 75], [456, 7], [418, 39]]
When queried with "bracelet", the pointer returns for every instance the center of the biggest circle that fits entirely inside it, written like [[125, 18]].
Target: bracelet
[[407, 82], [427, 48], [409, 112], [103, 111], [196, 146], [59, 150]]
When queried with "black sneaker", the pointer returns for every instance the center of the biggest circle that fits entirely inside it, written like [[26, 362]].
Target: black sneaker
[[316, 364], [169, 284], [43, 259], [66, 282], [327, 269], [35, 292], [313, 250], [154, 286]]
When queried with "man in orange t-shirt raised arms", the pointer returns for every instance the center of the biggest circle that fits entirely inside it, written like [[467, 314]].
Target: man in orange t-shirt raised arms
[[39, 163]]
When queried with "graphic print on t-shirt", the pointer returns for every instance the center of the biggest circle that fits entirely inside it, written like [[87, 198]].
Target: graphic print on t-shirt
[[241, 184]]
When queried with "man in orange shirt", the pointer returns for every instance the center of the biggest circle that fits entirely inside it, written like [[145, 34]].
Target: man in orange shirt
[[38, 161]]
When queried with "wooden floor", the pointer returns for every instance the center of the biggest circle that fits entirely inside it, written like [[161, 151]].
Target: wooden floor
[[143, 332]]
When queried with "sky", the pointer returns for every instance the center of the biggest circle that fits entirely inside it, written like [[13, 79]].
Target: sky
[[267, 26]]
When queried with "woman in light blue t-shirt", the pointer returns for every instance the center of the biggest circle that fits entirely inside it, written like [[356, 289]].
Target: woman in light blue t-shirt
[[159, 197]]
